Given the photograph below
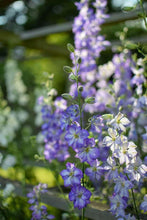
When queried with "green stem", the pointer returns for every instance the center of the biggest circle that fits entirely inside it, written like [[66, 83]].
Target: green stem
[[83, 213], [81, 125], [144, 14], [135, 207]]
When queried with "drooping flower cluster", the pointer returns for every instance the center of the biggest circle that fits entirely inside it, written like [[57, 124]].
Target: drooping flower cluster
[[39, 212]]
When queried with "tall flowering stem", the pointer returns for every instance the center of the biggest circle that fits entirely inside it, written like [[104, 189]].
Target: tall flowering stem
[[81, 122]]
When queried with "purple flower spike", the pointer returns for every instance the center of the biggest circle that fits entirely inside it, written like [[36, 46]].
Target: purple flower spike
[[72, 175], [80, 196]]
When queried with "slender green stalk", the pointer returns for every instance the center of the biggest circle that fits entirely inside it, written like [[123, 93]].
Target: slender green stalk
[[135, 207], [81, 125], [144, 13]]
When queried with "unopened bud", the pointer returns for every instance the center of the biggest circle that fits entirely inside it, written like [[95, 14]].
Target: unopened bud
[[67, 69], [70, 48], [80, 88], [90, 100]]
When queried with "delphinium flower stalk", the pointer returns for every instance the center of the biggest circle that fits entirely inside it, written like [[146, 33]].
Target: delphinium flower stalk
[[39, 212], [89, 44], [76, 137]]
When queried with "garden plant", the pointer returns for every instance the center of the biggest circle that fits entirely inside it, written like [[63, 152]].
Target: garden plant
[[95, 135]]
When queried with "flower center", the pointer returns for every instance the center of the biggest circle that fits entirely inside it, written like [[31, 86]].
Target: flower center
[[76, 136]]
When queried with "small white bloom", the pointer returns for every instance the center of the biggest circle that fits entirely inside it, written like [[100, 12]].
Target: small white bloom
[[120, 122], [112, 140]]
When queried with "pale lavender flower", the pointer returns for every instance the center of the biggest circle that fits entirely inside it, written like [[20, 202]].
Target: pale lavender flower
[[122, 185], [118, 205], [136, 169]]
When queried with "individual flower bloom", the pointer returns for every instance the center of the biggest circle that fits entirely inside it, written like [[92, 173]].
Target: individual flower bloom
[[73, 111], [144, 136], [120, 122], [88, 90], [111, 169], [45, 214], [145, 160], [32, 197], [61, 151], [112, 140], [142, 102], [65, 121], [71, 114], [143, 205], [40, 100], [50, 151], [96, 123], [139, 77], [132, 149], [100, 4], [139, 90], [72, 175], [136, 169], [88, 152], [133, 133], [75, 136], [52, 133], [105, 71], [127, 217], [118, 205], [94, 171], [103, 153], [80, 196], [46, 112], [122, 154], [60, 104], [126, 151], [122, 185], [121, 88]]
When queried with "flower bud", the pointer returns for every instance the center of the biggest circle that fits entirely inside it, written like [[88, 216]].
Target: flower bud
[[80, 88], [66, 96], [70, 48], [90, 100], [67, 69]]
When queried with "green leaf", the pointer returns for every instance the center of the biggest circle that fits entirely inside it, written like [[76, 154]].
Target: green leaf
[[131, 46]]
